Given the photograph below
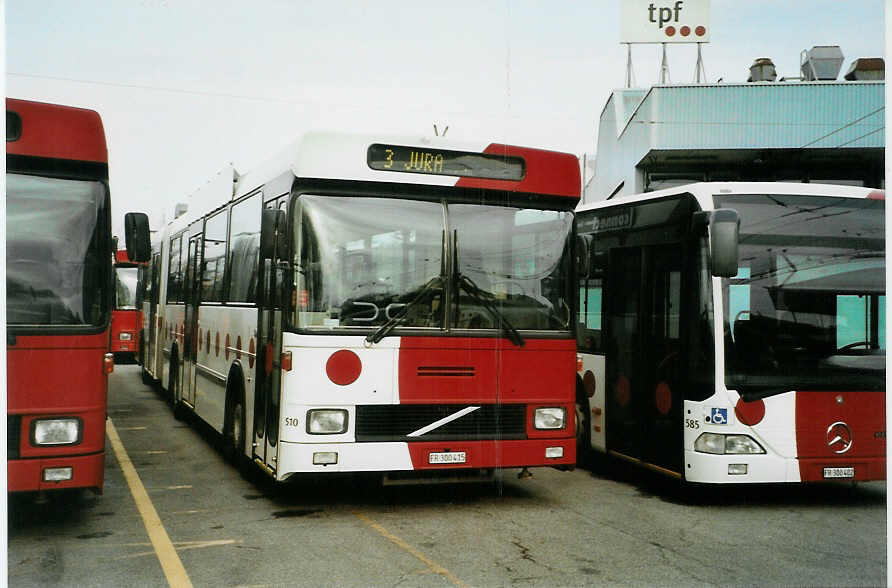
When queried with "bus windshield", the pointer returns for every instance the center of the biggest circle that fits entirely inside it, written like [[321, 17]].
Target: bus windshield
[[363, 261], [55, 258], [806, 308], [125, 288]]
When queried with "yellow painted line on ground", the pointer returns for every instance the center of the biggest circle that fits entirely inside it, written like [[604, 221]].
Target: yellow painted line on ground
[[431, 565], [167, 555]]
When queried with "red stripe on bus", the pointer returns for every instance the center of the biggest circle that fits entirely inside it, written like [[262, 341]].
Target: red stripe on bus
[[547, 172], [841, 429], [444, 370], [61, 132]]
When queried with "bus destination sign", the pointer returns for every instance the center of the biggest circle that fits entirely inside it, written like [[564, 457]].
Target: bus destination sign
[[441, 162]]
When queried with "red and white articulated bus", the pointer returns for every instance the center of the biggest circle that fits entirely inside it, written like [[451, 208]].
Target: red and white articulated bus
[[359, 304], [126, 321], [735, 332], [58, 295]]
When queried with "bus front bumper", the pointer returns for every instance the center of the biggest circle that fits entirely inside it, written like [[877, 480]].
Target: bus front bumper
[[29, 475]]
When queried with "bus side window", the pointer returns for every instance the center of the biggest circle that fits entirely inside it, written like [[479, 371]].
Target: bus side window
[[589, 328]]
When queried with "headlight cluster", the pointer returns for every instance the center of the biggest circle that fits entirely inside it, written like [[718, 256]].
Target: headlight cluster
[[125, 336], [326, 421], [549, 418], [64, 431], [720, 444]]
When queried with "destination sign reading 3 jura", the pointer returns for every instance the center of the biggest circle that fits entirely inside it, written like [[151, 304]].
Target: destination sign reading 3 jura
[[441, 162]]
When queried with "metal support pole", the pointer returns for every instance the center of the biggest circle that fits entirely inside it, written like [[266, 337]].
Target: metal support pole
[[699, 69], [664, 68], [629, 76]]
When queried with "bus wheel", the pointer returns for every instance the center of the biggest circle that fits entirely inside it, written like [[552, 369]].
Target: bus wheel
[[583, 431], [179, 410], [234, 437]]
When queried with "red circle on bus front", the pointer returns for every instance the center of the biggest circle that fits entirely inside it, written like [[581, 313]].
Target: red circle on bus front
[[251, 353], [238, 347], [217, 345], [622, 394], [343, 367], [663, 398], [207, 341], [670, 31], [226, 347], [750, 413], [685, 31], [700, 31]]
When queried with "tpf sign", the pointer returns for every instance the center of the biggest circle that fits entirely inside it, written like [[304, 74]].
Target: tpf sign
[[664, 21]]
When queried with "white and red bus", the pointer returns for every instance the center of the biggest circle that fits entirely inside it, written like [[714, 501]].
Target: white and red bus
[[358, 304], [735, 332], [58, 295], [126, 320]]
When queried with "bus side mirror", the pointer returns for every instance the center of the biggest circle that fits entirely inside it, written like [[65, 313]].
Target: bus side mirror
[[583, 255], [136, 236], [272, 221], [724, 232]]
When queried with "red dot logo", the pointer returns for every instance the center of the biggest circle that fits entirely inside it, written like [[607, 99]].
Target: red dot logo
[[700, 31], [670, 31], [343, 367], [685, 31], [623, 393], [663, 398], [750, 413]]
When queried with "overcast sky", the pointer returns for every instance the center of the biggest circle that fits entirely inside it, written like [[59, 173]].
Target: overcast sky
[[184, 87]]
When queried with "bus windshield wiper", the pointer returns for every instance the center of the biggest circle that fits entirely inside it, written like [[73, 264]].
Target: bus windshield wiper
[[393, 321], [483, 299]]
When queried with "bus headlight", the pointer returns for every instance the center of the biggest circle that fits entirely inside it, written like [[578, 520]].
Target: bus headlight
[[549, 418], [56, 431], [326, 421], [125, 336], [720, 444]]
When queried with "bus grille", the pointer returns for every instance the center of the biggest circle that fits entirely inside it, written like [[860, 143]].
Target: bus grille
[[13, 426], [396, 422]]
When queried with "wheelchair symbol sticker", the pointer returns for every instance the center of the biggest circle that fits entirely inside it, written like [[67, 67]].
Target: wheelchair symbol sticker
[[719, 416]]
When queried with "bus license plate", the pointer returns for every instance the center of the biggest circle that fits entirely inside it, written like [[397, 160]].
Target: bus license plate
[[839, 472], [450, 457]]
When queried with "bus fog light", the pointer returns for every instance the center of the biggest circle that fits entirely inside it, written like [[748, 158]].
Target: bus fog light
[[737, 469], [57, 474], [554, 452], [325, 458], [125, 336], [326, 421], [549, 418], [55, 431], [738, 444]]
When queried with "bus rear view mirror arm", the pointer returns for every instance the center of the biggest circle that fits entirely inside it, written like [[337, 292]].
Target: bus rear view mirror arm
[[724, 231]]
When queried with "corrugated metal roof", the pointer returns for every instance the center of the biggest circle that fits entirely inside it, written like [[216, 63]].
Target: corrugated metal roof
[[760, 115]]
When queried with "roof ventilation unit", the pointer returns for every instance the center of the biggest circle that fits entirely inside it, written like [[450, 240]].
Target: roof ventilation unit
[[762, 70], [821, 62], [867, 68]]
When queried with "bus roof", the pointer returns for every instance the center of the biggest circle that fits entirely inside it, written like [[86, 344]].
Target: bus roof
[[338, 156], [704, 192], [54, 131]]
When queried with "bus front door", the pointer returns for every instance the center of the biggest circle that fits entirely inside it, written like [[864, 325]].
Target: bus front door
[[190, 322], [267, 388], [644, 395]]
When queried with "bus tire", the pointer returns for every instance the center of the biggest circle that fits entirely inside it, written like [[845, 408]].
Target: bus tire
[[234, 431], [179, 409]]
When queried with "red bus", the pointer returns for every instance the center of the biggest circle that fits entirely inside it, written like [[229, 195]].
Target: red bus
[[58, 295], [126, 322], [396, 306]]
